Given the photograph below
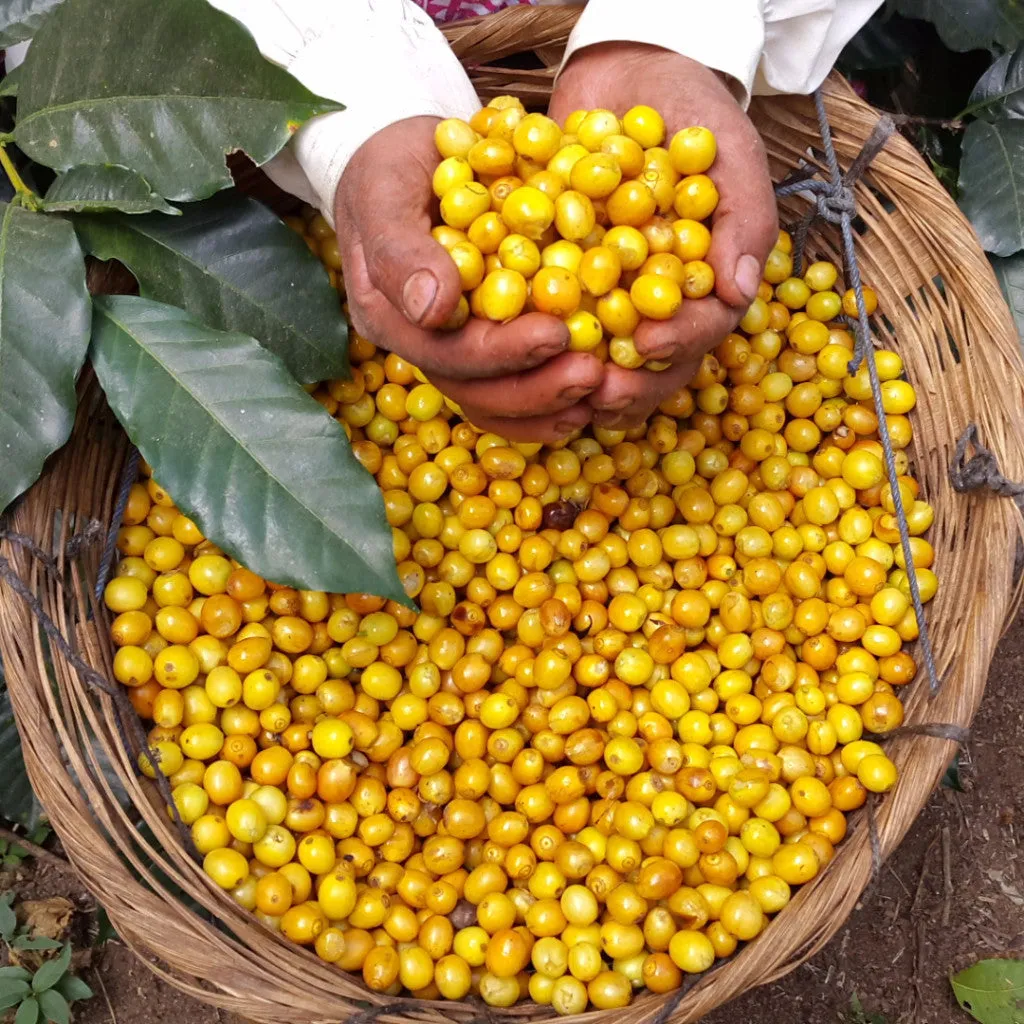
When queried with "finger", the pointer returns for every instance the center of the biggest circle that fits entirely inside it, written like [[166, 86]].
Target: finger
[[745, 225], [628, 397], [387, 204], [546, 429], [557, 385], [699, 326], [480, 349]]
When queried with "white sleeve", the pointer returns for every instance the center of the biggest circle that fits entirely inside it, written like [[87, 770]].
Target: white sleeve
[[384, 59], [764, 46]]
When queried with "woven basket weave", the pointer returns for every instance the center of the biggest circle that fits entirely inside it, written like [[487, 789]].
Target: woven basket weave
[[943, 313]]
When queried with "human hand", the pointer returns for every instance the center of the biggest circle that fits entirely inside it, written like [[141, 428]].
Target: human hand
[[516, 379], [618, 76]]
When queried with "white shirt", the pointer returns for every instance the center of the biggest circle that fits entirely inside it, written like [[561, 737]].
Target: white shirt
[[386, 60]]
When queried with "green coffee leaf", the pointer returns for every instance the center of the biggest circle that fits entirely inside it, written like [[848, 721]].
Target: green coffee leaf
[[1010, 275], [970, 26], [1000, 91], [98, 188], [73, 989], [235, 266], [17, 801], [52, 971], [992, 184], [28, 1012], [55, 1007], [20, 19], [992, 991], [262, 467], [190, 88], [44, 333]]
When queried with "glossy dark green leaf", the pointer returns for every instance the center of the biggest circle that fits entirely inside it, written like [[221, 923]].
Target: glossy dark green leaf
[[20, 19], [992, 991], [970, 26], [54, 1007], [188, 88], [17, 801], [52, 971], [98, 188], [44, 333], [992, 184], [999, 93], [73, 989], [262, 468], [235, 266], [1010, 274]]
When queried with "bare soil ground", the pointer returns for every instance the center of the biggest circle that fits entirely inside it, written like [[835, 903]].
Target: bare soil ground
[[952, 893]]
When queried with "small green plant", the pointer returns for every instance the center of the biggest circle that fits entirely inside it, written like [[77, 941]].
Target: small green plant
[[45, 994], [18, 938], [12, 853], [858, 1015]]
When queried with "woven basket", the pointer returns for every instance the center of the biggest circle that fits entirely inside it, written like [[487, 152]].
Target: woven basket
[[943, 313]]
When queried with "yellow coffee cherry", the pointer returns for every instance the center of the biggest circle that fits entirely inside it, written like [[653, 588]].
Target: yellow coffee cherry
[[693, 151], [644, 125], [528, 211], [502, 295], [461, 205], [656, 296]]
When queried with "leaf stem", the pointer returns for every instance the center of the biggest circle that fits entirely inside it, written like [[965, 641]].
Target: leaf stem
[[28, 197]]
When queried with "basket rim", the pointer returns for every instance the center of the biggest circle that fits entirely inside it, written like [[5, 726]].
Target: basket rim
[[45, 718]]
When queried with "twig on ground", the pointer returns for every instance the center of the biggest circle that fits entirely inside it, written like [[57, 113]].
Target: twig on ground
[[35, 850], [106, 997], [947, 876]]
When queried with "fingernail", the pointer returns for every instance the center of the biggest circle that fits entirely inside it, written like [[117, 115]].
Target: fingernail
[[748, 276], [661, 353], [552, 348], [610, 421], [565, 428], [418, 295], [576, 392], [617, 406]]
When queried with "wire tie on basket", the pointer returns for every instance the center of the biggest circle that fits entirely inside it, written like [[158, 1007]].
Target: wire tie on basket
[[980, 470], [129, 474], [936, 730], [834, 202], [72, 549]]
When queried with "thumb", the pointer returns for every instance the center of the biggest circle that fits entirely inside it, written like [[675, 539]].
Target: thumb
[[745, 226], [384, 201], [413, 272]]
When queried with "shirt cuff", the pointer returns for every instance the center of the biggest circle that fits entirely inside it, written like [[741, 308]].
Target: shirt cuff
[[387, 82], [727, 37], [385, 61]]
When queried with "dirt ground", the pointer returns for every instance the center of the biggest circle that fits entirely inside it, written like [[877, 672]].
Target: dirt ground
[[952, 893]]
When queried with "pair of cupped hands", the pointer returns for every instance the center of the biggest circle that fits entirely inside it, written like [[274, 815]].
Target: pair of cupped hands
[[519, 379]]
